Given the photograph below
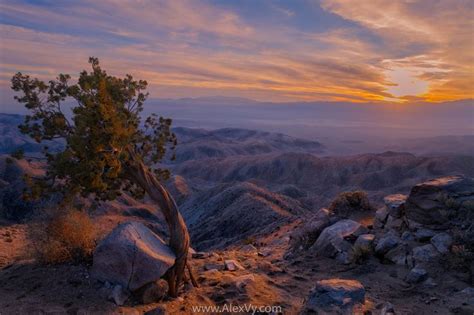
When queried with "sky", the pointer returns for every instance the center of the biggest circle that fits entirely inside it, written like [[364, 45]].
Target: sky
[[277, 51]]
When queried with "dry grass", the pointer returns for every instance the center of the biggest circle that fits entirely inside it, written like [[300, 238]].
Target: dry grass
[[68, 236]]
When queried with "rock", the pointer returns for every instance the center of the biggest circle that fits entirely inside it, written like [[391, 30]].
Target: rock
[[429, 283], [331, 242], [424, 235], [307, 234], [200, 255], [437, 201], [387, 309], [249, 249], [408, 236], [393, 223], [381, 217], [119, 295], [160, 310], [416, 275], [468, 295], [264, 252], [365, 241], [425, 253], [334, 294], [232, 265], [242, 281], [395, 204], [386, 243], [211, 266], [400, 255], [442, 242], [131, 256], [152, 292]]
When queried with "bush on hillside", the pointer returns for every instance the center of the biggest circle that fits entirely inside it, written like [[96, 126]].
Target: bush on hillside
[[349, 202], [68, 236]]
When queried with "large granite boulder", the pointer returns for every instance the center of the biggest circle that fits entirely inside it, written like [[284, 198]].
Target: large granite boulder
[[131, 256], [335, 296], [438, 201], [332, 241]]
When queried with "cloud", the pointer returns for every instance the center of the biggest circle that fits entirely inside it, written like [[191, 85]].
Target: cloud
[[195, 48]]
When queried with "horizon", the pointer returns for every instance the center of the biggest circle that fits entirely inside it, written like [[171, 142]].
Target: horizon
[[271, 52]]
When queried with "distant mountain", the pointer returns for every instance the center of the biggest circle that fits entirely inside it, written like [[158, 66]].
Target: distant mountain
[[196, 144], [324, 177], [12, 139]]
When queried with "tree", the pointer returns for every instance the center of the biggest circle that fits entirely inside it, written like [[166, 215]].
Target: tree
[[107, 150]]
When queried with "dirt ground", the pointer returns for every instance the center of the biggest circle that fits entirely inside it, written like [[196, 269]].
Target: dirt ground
[[29, 288]]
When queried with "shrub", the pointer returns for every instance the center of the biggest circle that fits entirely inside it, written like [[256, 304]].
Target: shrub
[[349, 202], [69, 236]]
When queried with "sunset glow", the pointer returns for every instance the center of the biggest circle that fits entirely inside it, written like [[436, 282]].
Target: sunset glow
[[329, 50]]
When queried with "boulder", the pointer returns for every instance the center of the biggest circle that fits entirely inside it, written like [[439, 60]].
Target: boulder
[[437, 201], [335, 294], [387, 242], [425, 253], [131, 256], [416, 275], [387, 309], [395, 204], [331, 242], [442, 242], [241, 282]]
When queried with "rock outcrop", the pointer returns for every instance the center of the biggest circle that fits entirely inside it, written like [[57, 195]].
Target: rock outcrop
[[437, 201]]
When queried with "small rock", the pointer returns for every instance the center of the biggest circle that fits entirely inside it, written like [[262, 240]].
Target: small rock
[[264, 252], [425, 253], [429, 283], [387, 309], [119, 295], [160, 310], [212, 266], [232, 265], [400, 255], [393, 223], [395, 204], [364, 241], [242, 281], [249, 249], [381, 216], [442, 242], [408, 236], [152, 292], [200, 255], [416, 275], [334, 294], [424, 235], [386, 243]]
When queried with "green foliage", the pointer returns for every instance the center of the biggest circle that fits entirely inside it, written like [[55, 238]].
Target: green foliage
[[102, 136]]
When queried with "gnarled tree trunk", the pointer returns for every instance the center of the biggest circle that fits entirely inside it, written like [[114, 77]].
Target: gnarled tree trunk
[[179, 241]]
